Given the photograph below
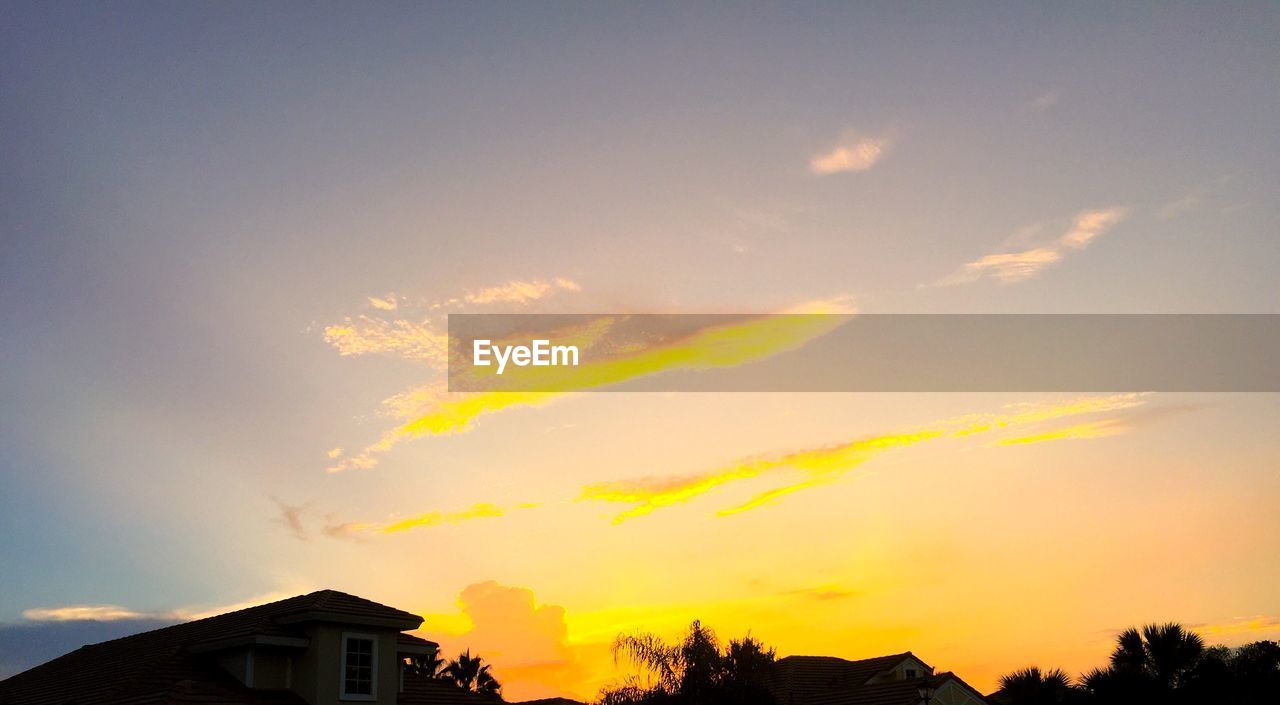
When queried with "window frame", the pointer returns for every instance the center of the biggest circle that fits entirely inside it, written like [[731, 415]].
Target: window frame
[[373, 668]]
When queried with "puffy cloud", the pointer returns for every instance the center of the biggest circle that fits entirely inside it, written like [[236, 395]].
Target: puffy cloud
[[527, 642], [1020, 265], [853, 153]]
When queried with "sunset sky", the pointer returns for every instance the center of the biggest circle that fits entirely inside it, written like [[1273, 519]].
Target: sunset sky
[[230, 234]]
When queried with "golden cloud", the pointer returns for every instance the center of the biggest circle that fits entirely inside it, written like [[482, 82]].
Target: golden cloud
[[528, 643]]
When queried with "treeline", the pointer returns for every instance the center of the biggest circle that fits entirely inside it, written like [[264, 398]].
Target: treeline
[[1160, 663]]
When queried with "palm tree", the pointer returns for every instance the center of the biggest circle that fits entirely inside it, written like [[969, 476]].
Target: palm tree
[[425, 666], [693, 670], [1031, 686], [471, 673], [1148, 664]]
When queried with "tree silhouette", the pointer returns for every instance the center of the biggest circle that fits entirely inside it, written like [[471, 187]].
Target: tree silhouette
[[1159, 663], [1031, 686], [425, 666], [1149, 664], [693, 670], [471, 673]]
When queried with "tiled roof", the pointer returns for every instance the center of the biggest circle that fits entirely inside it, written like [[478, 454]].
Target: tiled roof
[[827, 680], [422, 690], [411, 640], [899, 692], [154, 666], [796, 679]]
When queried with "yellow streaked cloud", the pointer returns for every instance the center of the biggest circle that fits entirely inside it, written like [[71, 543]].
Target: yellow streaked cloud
[[749, 339], [853, 153], [421, 521], [1023, 264], [1247, 626], [828, 463], [1093, 429]]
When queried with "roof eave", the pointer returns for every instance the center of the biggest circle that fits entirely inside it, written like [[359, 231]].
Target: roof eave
[[345, 618]]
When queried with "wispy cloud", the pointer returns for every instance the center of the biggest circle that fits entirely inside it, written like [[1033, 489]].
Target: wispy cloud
[[1020, 265], [852, 153], [291, 516], [422, 338], [521, 292], [72, 613], [1093, 429], [824, 464], [821, 593], [359, 529], [365, 335]]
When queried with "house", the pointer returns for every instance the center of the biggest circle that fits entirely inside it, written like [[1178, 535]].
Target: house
[[323, 648], [899, 679]]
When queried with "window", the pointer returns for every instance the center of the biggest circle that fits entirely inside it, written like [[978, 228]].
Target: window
[[359, 666], [910, 673]]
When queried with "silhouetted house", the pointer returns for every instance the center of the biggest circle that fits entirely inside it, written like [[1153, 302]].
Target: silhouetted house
[[324, 648], [884, 680]]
